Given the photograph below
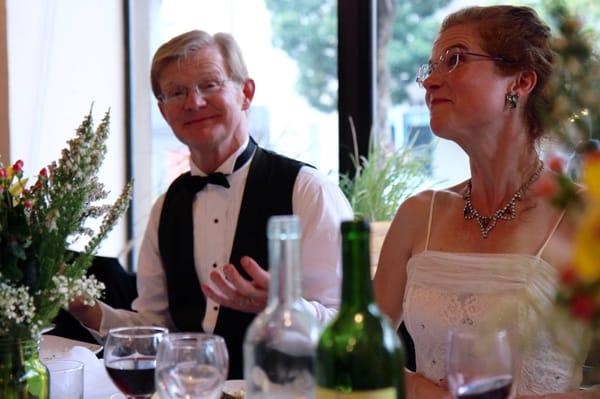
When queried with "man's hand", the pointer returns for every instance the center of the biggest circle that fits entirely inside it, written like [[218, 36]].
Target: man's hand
[[91, 316], [237, 292]]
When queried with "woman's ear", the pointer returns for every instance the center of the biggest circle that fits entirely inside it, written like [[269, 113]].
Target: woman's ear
[[248, 91], [525, 82]]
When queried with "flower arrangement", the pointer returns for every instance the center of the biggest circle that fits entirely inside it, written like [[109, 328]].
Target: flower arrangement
[[38, 224], [573, 91], [574, 101]]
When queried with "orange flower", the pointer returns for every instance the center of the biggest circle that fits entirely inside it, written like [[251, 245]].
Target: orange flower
[[546, 187], [555, 163]]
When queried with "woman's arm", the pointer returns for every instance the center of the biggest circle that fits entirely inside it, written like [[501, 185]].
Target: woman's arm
[[407, 230]]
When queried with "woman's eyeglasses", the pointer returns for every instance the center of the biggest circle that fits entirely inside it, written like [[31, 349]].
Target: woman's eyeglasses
[[449, 61]]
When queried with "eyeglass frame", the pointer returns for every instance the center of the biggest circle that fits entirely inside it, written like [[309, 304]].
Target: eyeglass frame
[[433, 66], [197, 89]]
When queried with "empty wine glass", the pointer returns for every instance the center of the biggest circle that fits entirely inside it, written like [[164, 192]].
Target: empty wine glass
[[480, 365], [130, 359], [191, 365]]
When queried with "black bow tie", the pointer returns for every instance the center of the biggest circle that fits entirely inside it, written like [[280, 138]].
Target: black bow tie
[[197, 183]]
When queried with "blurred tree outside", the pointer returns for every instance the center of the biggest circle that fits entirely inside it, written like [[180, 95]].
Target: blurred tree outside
[[307, 31]]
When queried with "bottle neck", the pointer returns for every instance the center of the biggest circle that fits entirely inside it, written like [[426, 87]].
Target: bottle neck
[[357, 288], [284, 267]]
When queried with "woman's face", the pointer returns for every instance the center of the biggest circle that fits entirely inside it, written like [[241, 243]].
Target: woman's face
[[469, 99]]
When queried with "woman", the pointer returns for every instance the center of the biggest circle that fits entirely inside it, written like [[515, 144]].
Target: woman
[[472, 253]]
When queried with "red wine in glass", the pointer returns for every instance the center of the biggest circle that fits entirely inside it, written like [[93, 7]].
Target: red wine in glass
[[479, 364], [130, 358], [486, 388], [133, 376]]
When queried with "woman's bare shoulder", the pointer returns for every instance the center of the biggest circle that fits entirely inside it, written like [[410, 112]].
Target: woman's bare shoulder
[[421, 202]]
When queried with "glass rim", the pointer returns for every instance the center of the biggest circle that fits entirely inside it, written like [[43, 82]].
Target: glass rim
[[68, 365], [181, 338], [152, 331]]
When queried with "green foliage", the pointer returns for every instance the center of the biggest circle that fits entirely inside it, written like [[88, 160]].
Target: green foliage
[[307, 31], [39, 222], [383, 179]]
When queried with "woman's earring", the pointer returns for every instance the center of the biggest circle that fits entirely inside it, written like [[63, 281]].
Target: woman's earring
[[511, 99]]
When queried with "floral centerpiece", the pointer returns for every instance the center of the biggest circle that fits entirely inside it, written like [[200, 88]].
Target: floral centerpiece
[[40, 219], [574, 118]]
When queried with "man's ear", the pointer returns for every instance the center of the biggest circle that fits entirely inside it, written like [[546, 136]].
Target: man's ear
[[248, 91]]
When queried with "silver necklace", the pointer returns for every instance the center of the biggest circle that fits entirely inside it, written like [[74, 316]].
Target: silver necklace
[[507, 212]]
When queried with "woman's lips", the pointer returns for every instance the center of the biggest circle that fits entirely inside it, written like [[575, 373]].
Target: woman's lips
[[436, 101]]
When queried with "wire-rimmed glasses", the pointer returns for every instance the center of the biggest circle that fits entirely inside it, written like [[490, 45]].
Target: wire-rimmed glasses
[[177, 94], [449, 61]]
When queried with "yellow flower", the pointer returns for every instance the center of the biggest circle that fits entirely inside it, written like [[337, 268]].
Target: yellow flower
[[587, 246], [591, 175], [17, 188]]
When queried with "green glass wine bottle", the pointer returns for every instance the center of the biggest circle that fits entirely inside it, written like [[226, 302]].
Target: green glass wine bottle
[[359, 354]]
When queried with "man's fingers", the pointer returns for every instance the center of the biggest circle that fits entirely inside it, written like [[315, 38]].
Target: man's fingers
[[260, 277], [243, 286]]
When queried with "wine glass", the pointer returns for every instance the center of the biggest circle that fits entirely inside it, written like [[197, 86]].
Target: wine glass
[[191, 365], [130, 359], [480, 365]]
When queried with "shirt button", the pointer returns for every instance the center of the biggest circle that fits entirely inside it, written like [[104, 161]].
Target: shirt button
[[216, 220], [216, 308], [215, 265]]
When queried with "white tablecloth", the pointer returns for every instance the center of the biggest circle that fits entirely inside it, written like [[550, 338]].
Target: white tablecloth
[[96, 382]]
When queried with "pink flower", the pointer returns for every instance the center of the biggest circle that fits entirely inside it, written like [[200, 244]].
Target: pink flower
[[43, 172], [583, 306], [18, 166], [28, 204], [3, 173]]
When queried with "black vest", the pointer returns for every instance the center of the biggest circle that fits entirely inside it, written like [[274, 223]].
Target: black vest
[[268, 192]]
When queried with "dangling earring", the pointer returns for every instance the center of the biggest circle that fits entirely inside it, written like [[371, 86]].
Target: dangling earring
[[511, 99]]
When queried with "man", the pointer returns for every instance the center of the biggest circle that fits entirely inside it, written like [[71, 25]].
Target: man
[[203, 263]]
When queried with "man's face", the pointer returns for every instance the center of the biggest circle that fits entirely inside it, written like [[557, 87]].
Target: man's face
[[212, 118]]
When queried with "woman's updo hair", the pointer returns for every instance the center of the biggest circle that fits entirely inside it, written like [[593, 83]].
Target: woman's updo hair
[[519, 36]]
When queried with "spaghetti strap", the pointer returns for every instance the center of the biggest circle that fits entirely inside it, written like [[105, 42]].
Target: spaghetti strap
[[430, 217], [560, 218]]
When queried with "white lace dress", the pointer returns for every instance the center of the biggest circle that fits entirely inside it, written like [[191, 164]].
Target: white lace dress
[[446, 291]]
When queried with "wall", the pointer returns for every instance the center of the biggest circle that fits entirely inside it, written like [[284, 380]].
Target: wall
[[64, 56]]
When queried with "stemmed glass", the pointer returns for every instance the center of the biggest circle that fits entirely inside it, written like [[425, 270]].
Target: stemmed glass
[[480, 365], [130, 359], [191, 365]]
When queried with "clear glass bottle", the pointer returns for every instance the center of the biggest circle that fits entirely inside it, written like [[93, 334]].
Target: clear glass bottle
[[279, 348], [359, 354]]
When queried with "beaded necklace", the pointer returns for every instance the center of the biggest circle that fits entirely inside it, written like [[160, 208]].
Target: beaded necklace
[[507, 212]]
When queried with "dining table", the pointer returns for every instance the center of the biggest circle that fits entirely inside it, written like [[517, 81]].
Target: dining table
[[96, 382]]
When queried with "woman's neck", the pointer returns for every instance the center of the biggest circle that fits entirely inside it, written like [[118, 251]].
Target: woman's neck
[[499, 169]]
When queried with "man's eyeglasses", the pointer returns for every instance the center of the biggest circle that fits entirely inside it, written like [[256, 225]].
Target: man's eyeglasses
[[449, 61], [206, 88]]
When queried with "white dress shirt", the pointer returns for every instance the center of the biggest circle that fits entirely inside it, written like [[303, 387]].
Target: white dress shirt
[[317, 201]]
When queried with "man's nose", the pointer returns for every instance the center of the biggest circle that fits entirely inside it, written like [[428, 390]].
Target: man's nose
[[194, 98]]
